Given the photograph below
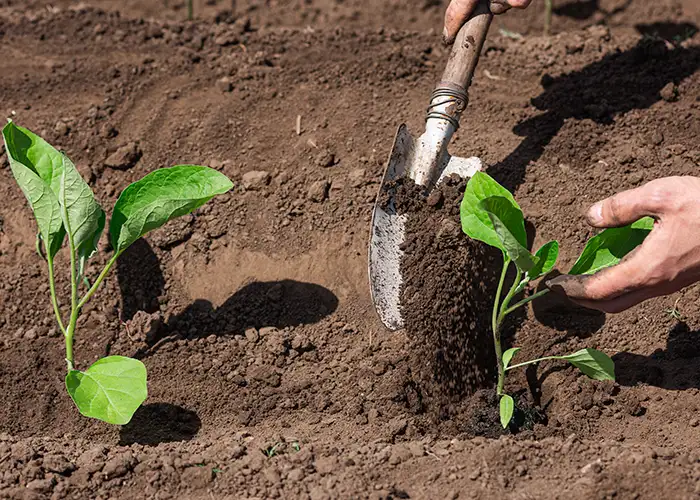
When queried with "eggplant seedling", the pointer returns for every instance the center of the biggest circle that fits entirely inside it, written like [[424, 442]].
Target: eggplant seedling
[[490, 214], [65, 208]]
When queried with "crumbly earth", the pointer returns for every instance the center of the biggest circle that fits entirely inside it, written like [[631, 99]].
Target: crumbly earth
[[269, 374]]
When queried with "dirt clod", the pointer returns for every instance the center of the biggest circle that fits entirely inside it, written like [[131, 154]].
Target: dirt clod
[[256, 180], [125, 157]]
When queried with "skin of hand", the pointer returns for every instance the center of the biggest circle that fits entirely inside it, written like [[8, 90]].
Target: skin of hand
[[668, 259], [458, 12]]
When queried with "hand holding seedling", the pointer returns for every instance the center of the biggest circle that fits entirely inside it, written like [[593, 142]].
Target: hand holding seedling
[[458, 12], [667, 261], [490, 214], [65, 208]]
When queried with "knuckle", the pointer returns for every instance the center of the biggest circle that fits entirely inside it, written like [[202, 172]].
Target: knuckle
[[668, 194], [660, 197]]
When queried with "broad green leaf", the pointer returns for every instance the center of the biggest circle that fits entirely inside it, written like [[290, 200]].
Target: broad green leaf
[[610, 246], [595, 364], [83, 218], [37, 168], [110, 390], [546, 257], [508, 355], [475, 221], [508, 223], [161, 196], [506, 406], [78, 209]]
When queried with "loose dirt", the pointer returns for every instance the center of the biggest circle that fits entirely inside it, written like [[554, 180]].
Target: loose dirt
[[269, 374]]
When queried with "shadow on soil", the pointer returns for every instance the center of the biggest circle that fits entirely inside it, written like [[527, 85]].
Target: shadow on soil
[[157, 423], [258, 304], [563, 315], [141, 280], [673, 32], [277, 304], [618, 83], [673, 368]]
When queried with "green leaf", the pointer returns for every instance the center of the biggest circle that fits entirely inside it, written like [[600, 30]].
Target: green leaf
[[595, 364], [609, 247], [506, 406], [37, 168], [110, 390], [546, 257], [61, 188], [508, 223], [83, 217], [161, 196], [508, 355], [476, 223]]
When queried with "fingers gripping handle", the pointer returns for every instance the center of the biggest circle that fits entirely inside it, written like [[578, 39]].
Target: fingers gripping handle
[[450, 96], [467, 48]]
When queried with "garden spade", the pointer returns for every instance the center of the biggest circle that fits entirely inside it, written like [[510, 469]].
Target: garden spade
[[426, 162]]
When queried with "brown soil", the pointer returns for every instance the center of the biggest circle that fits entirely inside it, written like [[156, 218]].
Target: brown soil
[[253, 315]]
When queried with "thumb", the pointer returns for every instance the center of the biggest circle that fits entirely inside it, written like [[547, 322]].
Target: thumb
[[626, 207], [456, 15]]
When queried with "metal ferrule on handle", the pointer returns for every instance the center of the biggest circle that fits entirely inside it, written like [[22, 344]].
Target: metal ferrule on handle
[[447, 103]]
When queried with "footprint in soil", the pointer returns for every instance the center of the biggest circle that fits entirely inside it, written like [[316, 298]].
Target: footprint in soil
[[157, 423], [675, 368], [617, 83]]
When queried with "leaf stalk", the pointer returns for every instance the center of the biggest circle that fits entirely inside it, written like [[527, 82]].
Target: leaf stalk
[[54, 297]]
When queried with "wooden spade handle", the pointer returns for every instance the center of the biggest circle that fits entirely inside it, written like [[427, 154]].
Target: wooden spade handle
[[467, 49]]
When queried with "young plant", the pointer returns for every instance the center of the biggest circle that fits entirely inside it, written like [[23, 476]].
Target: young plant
[[490, 214], [65, 208]]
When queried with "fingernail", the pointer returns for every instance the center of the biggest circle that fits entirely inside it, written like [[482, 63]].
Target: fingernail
[[554, 281], [595, 214], [559, 283], [445, 36]]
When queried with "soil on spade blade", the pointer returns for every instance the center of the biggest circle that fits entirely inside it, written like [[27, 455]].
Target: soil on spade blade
[[269, 374]]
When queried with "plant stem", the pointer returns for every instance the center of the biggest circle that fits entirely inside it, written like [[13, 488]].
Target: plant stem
[[77, 306], [547, 16], [190, 10], [54, 298], [74, 309], [500, 312], [98, 281], [511, 293], [496, 326], [525, 301], [69, 338], [525, 363]]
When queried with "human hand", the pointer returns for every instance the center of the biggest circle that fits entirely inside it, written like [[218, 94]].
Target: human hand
[[458, 13], [668, 259]]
